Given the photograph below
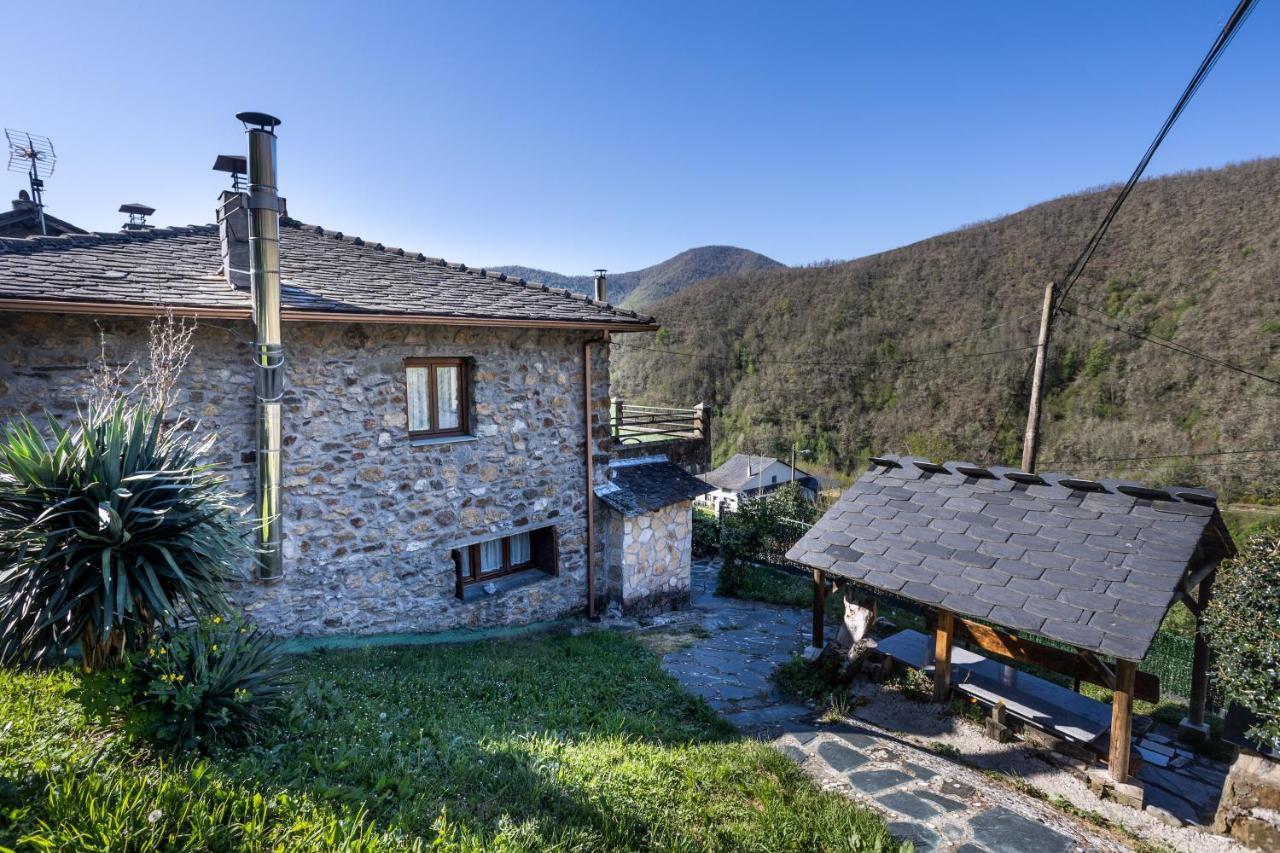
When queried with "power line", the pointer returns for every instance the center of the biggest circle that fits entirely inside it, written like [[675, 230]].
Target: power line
[[1165, 343], [1229, 30]]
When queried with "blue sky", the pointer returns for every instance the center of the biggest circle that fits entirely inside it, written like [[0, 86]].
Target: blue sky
[[574, 135]]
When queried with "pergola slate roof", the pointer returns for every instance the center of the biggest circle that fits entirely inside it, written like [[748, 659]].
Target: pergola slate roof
[[643, 485], [323, 272], [1093, 564]]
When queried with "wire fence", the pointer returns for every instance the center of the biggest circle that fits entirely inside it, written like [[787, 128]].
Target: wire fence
[[1169, 658]]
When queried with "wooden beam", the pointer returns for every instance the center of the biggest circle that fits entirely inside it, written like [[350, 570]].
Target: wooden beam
[[943, 637], [1121, 721], [1074, 665], [819, 607], [1200, 660], [1194, 579]]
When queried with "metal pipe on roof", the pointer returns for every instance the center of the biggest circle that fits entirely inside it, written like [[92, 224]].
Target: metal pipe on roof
[[268, 348]]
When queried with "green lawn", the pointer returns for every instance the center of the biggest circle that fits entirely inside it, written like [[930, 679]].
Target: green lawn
[[561, 743]]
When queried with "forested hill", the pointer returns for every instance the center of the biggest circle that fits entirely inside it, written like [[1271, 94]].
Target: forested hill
[[636, 290], [885, 353]]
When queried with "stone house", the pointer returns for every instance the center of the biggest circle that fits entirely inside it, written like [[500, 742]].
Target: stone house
[[443, 428], [744, 476]]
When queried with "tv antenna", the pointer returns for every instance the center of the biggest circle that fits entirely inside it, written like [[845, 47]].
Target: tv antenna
[[33, 154]]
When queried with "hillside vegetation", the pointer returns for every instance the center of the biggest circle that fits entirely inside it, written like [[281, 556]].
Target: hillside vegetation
[[639, 289], [864, 357]]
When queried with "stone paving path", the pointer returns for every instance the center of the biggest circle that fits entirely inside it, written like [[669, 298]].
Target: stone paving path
[[933, 802]]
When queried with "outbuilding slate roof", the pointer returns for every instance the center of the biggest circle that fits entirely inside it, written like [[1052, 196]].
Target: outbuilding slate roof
[[323, 272], [644, 485], [1092, 564]]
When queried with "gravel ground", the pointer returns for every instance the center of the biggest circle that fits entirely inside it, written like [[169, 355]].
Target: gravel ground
[[926, 724]]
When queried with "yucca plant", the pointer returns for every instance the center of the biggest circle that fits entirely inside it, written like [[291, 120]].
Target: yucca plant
[[108, 528], [219, 682]]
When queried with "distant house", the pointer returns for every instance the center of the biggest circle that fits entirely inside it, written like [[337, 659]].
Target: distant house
[[745, 476], [24, 220]]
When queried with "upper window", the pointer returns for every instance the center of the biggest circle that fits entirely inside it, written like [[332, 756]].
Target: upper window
[[437, 394]]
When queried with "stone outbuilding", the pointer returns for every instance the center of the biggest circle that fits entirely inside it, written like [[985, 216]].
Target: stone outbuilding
[[650, 533]]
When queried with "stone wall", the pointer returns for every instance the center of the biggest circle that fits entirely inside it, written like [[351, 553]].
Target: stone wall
[[370, 519], [652, 564]]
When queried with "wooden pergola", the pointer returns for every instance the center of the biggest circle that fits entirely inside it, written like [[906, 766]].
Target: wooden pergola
[[994, 555]]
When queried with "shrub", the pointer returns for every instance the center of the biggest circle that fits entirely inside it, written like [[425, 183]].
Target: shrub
[[108, 529], [1242, 625], [733, 573], [706, 533], [216, 683]]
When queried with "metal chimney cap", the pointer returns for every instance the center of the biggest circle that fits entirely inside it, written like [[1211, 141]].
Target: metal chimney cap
[[601, 272], [233, 163], [263, 120], [136, 209]]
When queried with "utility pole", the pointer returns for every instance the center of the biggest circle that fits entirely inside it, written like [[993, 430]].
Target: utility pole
[[1031, 440]]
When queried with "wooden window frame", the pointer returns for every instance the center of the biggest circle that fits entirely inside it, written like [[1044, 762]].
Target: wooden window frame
[[433, 408], [544, 556]]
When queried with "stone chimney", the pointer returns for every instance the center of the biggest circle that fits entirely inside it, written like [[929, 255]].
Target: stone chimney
[[233, 232]]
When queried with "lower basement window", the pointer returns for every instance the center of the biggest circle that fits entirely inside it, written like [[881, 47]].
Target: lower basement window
[[495, 558]]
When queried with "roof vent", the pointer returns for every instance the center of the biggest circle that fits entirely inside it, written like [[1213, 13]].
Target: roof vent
[[138, 214], [234, 165], [602, 286]]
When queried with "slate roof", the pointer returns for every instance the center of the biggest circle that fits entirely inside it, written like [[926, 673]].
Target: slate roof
[[322, 272], [24, 220], [647, 484], [1092, 564], [741, 471]]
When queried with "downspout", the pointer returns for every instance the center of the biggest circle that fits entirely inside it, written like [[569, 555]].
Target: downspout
[[268, 349], [601, 296], [587, 407]]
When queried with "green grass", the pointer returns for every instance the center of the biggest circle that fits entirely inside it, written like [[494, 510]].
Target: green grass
[[565, 743]]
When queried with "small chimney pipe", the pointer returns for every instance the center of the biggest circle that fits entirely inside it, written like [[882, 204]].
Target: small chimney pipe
[[602, 286], [268, 349]]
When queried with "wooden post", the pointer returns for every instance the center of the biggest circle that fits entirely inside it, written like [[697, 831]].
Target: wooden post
[[1200, 659], [819, 608], [617, 419], [942, 638], [1121, 721], [1031, 441]]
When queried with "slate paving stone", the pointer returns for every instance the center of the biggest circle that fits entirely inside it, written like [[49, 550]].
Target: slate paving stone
[[909, 804], [874, 781], [1003, 831], [924, 838], [919, 771], [795, 753], [751, 717], [957, 789], [946, 804], [856, 738], [803, 732], [839, 757]]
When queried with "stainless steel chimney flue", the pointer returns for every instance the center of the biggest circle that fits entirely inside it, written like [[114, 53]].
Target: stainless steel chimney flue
[[602, 287], [268, 348]]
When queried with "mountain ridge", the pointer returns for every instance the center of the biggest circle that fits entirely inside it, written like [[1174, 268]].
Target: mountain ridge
[[889, 352], [640, 288]]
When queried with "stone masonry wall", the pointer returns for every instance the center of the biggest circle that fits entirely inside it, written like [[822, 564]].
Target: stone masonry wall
[[656, 558], [370, 520]]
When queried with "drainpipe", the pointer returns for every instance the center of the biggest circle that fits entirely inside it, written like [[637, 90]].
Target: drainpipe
[[587, 401], [268, 349]]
